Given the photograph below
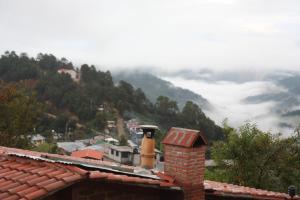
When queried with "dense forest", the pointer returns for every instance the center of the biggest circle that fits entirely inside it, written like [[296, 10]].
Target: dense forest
[[65, 101]]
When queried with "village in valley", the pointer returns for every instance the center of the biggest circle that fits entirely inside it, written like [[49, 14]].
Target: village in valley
[[104, 146]]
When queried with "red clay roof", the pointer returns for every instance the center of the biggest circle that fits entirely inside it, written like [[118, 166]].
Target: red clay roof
[[30, 179], [183, 137], [64, 157], [217, 188], [25, 175], [88, 153]]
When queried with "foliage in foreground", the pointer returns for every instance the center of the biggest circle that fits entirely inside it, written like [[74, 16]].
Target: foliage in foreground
[[254, 158], [19, 113]]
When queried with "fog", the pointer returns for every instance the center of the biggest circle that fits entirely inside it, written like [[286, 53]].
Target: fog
[[169, 34], [228, 101]]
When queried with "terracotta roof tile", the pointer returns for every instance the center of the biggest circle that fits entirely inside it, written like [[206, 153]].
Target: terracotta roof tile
[[4, 195], [88, 153], [12, 197], [219, 188], [25, 175], [30, 179], [72, 178], [98, 175], [53, 186], [27, 178], [18, 188], [27, 190], [183, 137], [36, 194]]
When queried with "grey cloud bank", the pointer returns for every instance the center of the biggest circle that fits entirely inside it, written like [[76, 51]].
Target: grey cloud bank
[[228, 101], [166, 34]]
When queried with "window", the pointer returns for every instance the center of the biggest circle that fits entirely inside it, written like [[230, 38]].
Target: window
[[112, 151], [117, 153], [125, 154]]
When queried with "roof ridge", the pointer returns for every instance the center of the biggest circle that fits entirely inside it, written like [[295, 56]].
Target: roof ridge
[[238, 189]]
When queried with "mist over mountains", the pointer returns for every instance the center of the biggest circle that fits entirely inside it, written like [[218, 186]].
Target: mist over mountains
[[286, 98], [155, 87], [268, 98]]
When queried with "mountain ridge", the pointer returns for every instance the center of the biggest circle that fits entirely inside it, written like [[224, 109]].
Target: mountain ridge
[[154, 86]]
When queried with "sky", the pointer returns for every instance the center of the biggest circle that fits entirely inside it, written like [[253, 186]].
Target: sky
[[168, 35]]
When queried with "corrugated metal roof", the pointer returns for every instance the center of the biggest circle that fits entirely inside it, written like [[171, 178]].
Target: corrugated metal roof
[[70, 146], [183, 137]]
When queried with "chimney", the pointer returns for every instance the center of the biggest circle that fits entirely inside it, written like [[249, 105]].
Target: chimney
[[185, 160], [148, 145]]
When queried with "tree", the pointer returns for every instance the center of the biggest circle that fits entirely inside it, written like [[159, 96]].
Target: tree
[[123, 140], [167, 111], [193, 117], [100, 121], [16, 68], [48, 61], [166, 106], [255, 158], [19, 114], [46, 147]]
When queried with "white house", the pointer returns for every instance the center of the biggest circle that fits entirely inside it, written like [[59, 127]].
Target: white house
[[120, 154], [37, 139], [111, 140], [74, 74]]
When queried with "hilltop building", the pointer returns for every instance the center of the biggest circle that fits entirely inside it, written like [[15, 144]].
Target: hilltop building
[[75, 75]]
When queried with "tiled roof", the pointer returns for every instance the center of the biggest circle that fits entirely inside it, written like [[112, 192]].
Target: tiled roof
[[30, 175], [183, 137], [217, 188], [88, 153], [22, 178]]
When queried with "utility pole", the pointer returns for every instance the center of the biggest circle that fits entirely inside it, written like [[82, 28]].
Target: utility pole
[[66, 130]]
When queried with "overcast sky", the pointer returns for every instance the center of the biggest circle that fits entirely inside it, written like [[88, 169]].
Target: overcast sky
[[165, 34]]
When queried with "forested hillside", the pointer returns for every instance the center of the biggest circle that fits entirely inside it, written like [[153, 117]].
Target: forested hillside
[[94, 99], [155, 87]]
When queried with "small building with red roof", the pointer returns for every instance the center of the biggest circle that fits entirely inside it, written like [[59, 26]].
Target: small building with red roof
[[89, 154]]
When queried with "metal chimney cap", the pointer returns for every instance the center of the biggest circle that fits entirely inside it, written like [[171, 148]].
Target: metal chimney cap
[[149, 127]]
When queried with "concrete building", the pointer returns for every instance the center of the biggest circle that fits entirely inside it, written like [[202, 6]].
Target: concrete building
[[120, 154]]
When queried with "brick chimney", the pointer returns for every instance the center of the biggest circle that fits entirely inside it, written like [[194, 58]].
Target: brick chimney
[[185, 160]]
